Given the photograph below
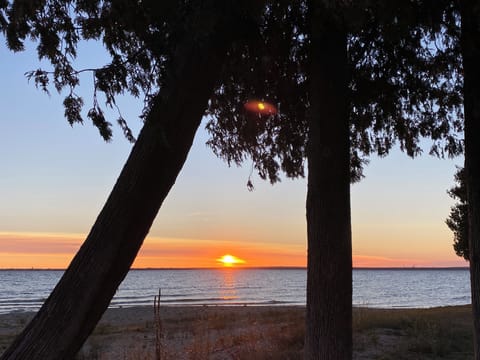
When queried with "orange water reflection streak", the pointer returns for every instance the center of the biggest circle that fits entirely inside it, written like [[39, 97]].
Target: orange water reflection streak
[[228, 289]]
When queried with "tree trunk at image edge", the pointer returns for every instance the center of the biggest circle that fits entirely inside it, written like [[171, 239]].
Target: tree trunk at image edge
[[470, 44], [83, 294], [329, 279]]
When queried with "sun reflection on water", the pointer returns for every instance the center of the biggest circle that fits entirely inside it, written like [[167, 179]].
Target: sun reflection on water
[[228, 290]]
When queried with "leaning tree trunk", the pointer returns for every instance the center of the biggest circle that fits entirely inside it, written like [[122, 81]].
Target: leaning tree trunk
[[78, 301], [470, 44], [329, 278]]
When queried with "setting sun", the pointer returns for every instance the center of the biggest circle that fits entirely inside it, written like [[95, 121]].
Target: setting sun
[[230, 260]]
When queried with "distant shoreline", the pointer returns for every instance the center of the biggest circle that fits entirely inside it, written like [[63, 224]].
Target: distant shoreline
[[259, 268]]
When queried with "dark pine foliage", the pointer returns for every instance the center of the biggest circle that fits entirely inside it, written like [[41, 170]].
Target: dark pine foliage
[[457, 221], [405, 85], [404, 73], [139, 39]]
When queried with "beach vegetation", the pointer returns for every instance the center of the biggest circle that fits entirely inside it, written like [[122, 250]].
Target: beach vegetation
[[278, 333]]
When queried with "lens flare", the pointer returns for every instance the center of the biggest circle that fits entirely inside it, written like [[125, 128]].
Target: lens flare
[[260, 107]]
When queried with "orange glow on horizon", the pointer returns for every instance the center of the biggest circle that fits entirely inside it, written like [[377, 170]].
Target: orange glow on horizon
[[230, 260], [55, 251]]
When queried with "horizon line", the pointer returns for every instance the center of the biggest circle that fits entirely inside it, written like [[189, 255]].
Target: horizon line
[[260, 267]]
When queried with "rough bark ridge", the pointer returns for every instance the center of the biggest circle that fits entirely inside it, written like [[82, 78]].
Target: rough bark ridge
[[84, 292], [470, 44], [329, 279]]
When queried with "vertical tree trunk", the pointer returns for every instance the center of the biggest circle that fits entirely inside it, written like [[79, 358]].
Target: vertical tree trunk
[[329, 279], [470, 45], [78, 301]]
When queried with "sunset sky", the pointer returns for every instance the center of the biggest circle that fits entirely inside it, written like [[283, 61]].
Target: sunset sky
[[55, 179]]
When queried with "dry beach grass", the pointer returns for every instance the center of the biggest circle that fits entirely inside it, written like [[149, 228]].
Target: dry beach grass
[[263, 332]]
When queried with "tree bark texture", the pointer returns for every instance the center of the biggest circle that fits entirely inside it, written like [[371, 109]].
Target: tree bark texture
[[470, 45], [84, 292], [329, 278]]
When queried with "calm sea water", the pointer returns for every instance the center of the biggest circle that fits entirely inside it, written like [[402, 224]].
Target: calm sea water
[[24, 290]]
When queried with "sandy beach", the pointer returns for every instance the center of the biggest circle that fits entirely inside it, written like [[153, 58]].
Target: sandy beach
[[263, 332]]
